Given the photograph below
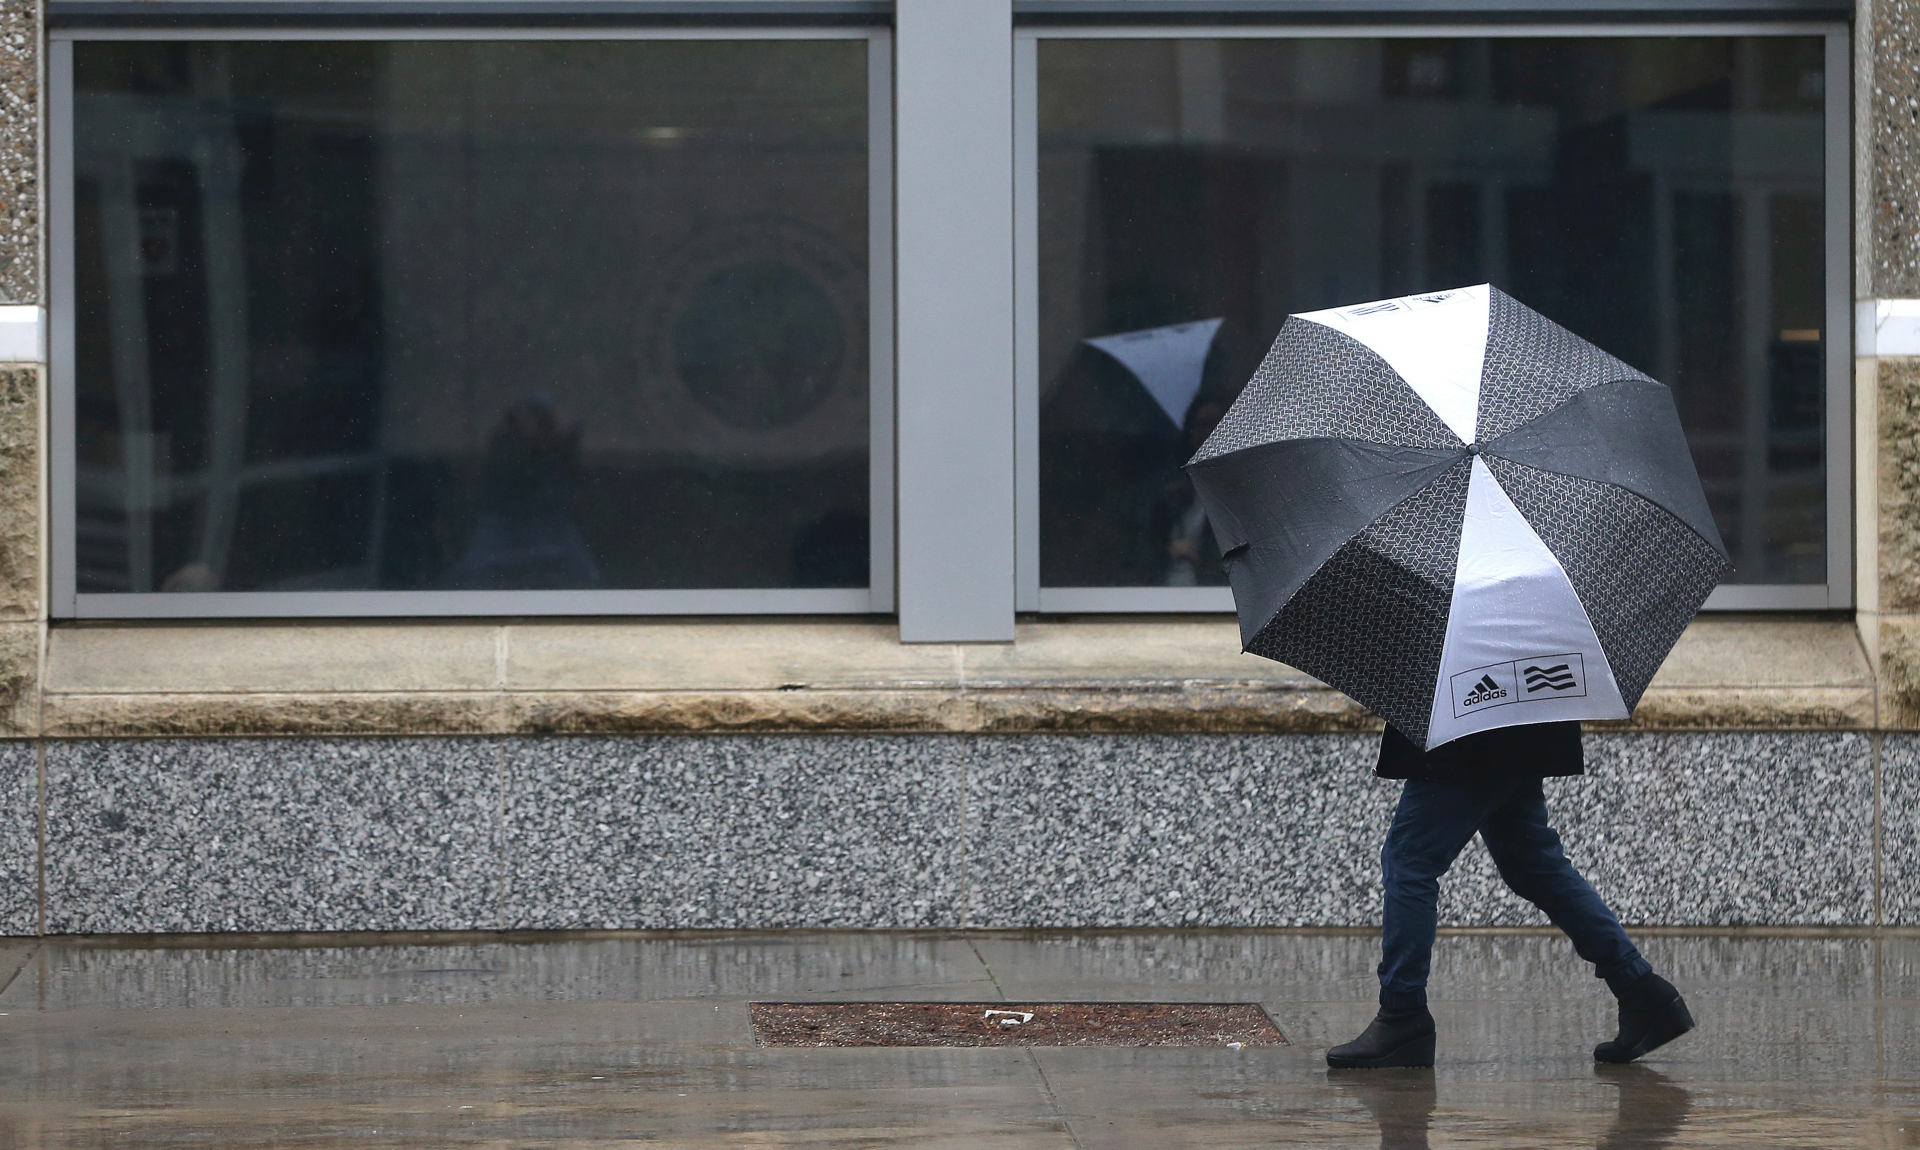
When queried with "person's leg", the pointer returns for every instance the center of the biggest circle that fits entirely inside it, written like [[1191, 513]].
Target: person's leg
[[1432, 825], [1527, 851]]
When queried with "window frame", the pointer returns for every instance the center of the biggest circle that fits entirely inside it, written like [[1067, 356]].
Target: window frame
[[65, 600], [1836, 592]]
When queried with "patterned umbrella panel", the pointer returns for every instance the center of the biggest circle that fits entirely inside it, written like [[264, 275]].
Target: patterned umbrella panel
[[1459, 513]]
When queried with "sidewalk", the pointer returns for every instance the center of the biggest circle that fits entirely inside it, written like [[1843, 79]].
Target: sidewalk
[[554, 1041]]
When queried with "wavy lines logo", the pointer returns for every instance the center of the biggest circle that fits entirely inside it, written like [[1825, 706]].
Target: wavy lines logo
[[1558, 677]]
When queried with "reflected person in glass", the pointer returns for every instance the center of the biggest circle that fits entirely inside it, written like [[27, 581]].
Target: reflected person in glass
[[1191, 547], [523, 534]]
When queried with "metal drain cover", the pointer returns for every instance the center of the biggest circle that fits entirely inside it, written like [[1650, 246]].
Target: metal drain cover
[[1013, 1024]]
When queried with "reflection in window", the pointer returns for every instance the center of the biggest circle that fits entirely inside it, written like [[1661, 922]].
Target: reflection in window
[[1660, 196], [471, 316]]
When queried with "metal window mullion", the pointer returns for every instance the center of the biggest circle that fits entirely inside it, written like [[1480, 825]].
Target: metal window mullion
[[436, 604], [1361, 30], [1288, 14], [955, 295], [1135, 600], [349, 35], [882, 528], [1767, 597], [1838, 343], [114, 15], [1026, 302], [61, 503]]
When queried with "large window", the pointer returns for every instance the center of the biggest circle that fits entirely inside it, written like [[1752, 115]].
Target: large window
[[600, 320], [362, 326], [1670, 197]]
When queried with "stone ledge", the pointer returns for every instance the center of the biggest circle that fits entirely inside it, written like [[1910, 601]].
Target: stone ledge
[[624, 677], [659, 712], [177, 715], [1004, 711], [1750, 709], [989, 711]]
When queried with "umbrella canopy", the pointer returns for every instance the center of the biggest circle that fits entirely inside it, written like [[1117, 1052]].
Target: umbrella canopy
[[1459, 513]]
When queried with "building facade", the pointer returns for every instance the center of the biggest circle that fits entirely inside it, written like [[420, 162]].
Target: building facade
[[598, 464]]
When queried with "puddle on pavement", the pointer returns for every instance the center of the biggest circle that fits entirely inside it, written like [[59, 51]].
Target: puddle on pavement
[[1806, 1040]]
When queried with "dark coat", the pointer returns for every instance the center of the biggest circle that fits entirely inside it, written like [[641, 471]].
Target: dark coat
[[1536, 750]]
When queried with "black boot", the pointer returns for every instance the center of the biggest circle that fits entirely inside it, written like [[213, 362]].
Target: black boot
[[1394, 1038], [1652, 1014]]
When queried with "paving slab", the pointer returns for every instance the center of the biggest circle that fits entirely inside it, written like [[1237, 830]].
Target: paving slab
[[1806, 1039]]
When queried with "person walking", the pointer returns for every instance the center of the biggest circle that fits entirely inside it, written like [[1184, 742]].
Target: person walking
[[1490, 784], [1484, 529]]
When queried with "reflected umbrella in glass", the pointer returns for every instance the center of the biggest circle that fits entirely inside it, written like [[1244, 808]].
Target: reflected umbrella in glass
[[1169, 362]]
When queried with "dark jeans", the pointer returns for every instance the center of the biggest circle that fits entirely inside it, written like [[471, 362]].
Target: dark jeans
[[1433, 824]]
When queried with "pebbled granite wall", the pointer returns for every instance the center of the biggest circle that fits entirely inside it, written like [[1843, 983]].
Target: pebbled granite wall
[[19, 839], [1720, 829], [847, 830], [734, 831], [1900, 830], [263, 835]]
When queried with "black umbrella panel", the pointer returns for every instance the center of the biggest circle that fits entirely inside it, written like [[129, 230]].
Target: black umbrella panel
[[1459, 513]]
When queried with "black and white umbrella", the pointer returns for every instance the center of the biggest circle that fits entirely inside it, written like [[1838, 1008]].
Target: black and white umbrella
[[1459, 513]]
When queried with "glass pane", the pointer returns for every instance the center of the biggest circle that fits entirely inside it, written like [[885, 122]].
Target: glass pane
[[1660, 196], [471, 315]]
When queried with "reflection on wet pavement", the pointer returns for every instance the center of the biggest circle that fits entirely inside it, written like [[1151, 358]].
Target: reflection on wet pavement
[[550, 1041], [1400, 1101]]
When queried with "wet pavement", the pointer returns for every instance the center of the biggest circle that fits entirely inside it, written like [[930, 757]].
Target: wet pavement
[[544, 1041]]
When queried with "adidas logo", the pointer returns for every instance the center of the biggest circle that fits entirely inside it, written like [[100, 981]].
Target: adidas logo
[[1483, 691], [1549, 679], [1556, 677]]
